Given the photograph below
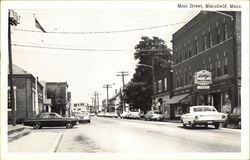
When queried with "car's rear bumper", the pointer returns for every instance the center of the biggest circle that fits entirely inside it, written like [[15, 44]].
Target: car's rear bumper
[[208, 121]]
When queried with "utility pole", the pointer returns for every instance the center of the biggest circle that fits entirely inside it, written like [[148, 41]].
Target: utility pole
[[96, 101], [13, 19], [107, 86], [122, 74]]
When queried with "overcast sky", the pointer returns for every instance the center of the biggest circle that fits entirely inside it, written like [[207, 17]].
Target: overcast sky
[[87, 71]]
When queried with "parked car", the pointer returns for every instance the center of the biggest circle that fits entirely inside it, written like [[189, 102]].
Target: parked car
[[124, 114], [101, 114], [141, 114], [234, 118], [134, 115], [154, 115], [83, 117], [203, 115], [113, 115], [50, 119]]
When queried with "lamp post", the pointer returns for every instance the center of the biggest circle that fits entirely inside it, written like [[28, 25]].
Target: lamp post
[[13, 19]]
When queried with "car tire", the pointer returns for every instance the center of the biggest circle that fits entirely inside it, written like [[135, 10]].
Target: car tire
[[206, 125], [192, 125], [217, 125], [37, 125], [184, 125], [69, 125], [239, 125]]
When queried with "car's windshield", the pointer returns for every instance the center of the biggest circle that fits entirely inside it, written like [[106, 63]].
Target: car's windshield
[[204, 109]]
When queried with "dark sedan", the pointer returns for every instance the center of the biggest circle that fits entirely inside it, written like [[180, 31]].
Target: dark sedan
[[50, 119], [234, 118]]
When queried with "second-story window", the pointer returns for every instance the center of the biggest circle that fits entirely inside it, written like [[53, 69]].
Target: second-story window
[[225, 34], [225, 67], [189, 52], [218, 68], [218, 33], [165, 84], [204, 42], [196, 46], [160, 86], [186, 52], [154, 87]]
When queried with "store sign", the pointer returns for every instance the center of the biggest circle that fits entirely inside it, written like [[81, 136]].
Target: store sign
[[203, 87], [203, 77]]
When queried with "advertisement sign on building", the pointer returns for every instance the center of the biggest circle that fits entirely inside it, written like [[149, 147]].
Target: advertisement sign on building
[[203, 78]]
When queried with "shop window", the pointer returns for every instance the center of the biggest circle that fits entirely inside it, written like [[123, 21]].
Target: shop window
[[160, 86]]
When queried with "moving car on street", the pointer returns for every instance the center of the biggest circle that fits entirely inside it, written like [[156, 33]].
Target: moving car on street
[[154, 115], [50, 119], [203, 115], [234, 118], [83, 117]]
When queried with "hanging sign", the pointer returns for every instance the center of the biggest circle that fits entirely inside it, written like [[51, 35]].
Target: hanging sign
[[203, 78]]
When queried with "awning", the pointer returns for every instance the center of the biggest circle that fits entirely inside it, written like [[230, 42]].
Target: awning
[[176, 99]]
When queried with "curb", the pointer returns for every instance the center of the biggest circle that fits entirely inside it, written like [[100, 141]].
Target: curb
[[55, 144], [10, 139], [12, 131]]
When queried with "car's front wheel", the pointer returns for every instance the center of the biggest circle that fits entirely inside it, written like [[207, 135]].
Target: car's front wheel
[[69, 125], [184, 125], [217, 125], [37, 125]]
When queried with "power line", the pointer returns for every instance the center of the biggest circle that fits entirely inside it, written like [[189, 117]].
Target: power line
[[61, 48], [86, 49], [103, 32]]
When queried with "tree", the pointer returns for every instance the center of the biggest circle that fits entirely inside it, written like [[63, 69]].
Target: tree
[[58, 100], [139, 91]]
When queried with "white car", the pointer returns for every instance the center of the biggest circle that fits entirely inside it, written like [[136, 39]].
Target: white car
[[124, 114], [154, 115], [203, 115], [134, 115]]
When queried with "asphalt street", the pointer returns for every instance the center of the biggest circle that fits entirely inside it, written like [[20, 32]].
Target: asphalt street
[[112, 135]]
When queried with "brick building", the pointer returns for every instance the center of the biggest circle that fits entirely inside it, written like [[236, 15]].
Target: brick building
[[162, 89], [211, 41], [28, 95]]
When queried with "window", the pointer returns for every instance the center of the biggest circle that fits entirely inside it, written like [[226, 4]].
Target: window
[[189, 52], [196, 46], [225, 34], [160, 86], [218, 68], [186, 78], [226, 65], [181, 81], [218, 34], [204, 42], [210, 40], [165, 84], [180, 57], [186, 53]]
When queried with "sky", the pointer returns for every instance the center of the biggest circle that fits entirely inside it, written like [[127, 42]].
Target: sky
[[100, 55]]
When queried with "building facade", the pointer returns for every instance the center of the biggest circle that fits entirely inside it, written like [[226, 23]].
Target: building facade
[[28, 95], [162, 90], [57, 92], [115, 102], [208, 46]]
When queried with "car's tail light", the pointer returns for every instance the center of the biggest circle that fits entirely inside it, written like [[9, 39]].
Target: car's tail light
[[223, 116], [196, 117]]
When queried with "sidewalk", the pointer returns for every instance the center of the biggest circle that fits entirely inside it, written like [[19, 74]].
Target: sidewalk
[[36, 142]]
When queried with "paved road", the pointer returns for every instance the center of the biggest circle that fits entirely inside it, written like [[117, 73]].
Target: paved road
[[111, 135]]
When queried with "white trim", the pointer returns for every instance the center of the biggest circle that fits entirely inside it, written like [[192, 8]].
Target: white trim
[[204, 51]]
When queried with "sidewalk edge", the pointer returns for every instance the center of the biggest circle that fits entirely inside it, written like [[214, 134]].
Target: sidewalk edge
[[55, 145]]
